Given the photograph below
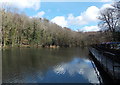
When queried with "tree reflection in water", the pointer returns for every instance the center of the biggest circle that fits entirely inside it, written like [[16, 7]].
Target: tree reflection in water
[[43, 65]]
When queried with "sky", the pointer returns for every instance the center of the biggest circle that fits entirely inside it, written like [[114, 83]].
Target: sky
[[75, 14]]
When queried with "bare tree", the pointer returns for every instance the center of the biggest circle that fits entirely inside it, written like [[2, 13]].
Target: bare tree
[[109, 20]]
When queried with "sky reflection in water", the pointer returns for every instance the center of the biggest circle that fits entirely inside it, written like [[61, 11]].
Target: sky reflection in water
[[80, 67], [48, 66]]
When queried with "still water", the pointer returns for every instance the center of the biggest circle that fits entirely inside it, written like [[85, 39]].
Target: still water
[[43, 65]]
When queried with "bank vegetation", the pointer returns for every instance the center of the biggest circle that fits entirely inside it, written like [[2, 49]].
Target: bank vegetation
[[20, 30]]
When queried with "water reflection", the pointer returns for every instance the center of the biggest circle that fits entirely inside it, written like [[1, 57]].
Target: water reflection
[[35, 65], [78, 66]]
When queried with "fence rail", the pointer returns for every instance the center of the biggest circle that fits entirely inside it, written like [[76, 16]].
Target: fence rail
[[108, 61]]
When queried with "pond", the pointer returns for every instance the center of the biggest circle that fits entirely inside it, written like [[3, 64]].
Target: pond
[[45, 65]]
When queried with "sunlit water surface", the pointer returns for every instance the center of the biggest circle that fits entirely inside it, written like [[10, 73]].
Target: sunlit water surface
[[38, 65]]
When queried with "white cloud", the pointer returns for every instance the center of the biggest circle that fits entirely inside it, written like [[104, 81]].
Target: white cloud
[[40, 14], [22, 4], [89, 28], [89, 15], [106, 0], [79, 20], [76, 0], [106, 6], [85, 18], [60, 20]]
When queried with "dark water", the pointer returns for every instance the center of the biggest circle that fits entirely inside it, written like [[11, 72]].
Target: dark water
[[38, 65]]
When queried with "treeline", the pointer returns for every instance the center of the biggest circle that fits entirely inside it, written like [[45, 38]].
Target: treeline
[[21, 30]]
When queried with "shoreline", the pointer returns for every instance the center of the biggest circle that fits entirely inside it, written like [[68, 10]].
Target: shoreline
[[39, 46]]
